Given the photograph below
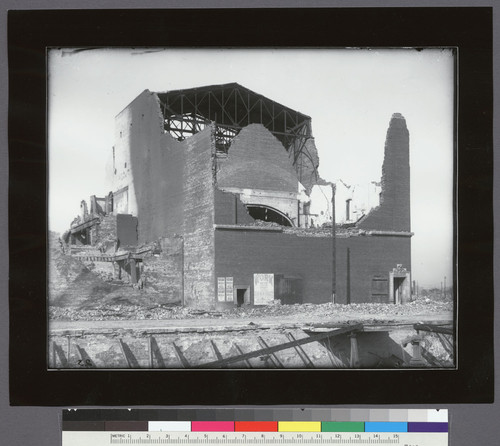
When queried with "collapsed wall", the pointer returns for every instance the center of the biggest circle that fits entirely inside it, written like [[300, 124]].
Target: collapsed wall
[[170, 188]]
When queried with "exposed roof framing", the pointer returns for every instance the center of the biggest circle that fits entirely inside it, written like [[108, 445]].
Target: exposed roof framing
[[232, 107]]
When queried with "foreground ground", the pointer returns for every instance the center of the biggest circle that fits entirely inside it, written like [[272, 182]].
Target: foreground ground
[[420, 310]]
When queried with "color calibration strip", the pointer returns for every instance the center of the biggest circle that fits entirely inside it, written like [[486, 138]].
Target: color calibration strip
[[254, 426], [207, 427], [257, 414]]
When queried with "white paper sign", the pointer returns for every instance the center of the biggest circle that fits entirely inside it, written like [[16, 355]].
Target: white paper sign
[[229, 289], [263, 289], [221, 289]]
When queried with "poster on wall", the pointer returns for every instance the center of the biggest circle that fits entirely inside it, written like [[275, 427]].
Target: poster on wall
[[263, 289], [229, 289], [221, 289]]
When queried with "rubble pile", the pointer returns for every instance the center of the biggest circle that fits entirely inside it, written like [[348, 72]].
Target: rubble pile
[[126, 310]]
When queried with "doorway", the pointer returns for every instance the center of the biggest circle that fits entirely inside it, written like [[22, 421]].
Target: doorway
[[399, 285], [398, 288], [242, 296]]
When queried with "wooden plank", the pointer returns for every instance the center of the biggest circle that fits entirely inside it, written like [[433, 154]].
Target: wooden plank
[[238, 349], [216, 351], [156, 352], [129, 356], [433, 328], [84, 225], [302, 354], [446, 344], [277, 348], [84, 360], [180, 356], [354, 360], [277, 363], [150, 352], [57, 350]]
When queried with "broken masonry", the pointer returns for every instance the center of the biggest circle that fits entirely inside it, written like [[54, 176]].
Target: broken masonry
[[216, 196]]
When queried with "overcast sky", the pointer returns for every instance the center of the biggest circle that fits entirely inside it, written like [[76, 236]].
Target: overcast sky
[[350, 95]]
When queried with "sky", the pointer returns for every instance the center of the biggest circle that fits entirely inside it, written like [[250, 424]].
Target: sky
[[350, 94]]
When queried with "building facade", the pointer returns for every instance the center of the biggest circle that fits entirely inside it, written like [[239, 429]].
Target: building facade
[[216, 193]]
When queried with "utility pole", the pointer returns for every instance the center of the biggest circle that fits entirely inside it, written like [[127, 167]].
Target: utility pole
[[334, 248], [444, 287]]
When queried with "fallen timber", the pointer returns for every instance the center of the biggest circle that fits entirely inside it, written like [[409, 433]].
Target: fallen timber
[[224, 347], [277, 348]]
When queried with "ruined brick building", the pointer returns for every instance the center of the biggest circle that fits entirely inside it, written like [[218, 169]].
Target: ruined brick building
[[215, 199]]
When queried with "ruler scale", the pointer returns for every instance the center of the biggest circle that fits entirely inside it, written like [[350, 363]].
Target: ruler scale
[[380, 427]]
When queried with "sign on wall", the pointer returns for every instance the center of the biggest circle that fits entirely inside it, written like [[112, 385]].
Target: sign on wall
[[221, 289], [225, 289], [263, 289], [229, 289]]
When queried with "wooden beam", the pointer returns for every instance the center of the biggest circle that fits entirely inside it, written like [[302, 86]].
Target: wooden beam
[[277, 348], [216, 351], [354, 360], [156, 352], [85, 225], [85, 360], [150, 352], [238, 349], [445, 343], [58, 352], [180, 356], [433, 328], [275, 359], [129, 356], [302, 354]]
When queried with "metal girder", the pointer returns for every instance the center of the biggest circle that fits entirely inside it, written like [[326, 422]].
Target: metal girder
[[232, 106]]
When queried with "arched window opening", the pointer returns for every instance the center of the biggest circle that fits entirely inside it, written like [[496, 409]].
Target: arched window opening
[[266, 213]]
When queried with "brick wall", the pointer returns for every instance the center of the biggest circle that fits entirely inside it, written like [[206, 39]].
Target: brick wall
[[105, 233], [394, 211], [229, 210], [241, 253], [199, 285], [152, 164], [257, 160], [370, 256], [163, 272]]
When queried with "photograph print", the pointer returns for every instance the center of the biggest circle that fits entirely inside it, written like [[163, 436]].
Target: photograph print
[[251, 208]]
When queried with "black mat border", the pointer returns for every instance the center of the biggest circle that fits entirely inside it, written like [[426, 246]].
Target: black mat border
[[30, 32]]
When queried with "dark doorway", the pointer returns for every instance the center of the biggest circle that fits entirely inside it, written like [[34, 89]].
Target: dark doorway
[[398, 282], [240, 296]]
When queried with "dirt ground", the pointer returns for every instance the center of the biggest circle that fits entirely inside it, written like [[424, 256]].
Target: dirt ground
[[420, 310]]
